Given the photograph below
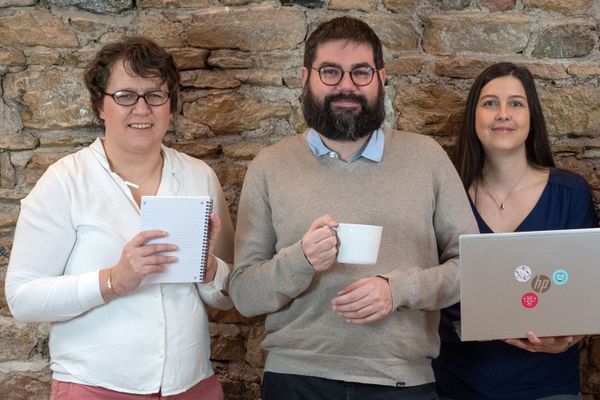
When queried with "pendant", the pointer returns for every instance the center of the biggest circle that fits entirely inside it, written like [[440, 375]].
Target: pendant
[[502, 206]]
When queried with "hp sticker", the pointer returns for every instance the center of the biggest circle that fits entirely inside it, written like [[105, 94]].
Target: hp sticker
[[560, 277], [540, 284]]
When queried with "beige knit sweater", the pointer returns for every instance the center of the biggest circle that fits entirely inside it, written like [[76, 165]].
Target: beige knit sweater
[[414, 193]]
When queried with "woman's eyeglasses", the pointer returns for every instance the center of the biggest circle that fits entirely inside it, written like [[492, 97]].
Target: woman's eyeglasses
[[129, 98]]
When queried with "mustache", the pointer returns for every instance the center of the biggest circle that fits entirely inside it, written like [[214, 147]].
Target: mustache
[[345, 96]]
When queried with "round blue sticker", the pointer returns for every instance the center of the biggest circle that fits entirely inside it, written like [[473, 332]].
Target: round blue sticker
[[560, 277]]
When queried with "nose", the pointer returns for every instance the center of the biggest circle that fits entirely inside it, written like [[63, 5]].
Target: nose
[[503, 112], [346, 83], [141, 107]]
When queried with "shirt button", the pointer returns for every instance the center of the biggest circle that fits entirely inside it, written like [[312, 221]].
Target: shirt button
[[332, 154]]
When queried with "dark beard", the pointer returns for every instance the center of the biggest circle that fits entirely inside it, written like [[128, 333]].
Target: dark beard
[[343, 124]]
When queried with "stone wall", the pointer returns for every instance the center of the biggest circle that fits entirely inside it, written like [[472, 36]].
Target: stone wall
[[240, 63]]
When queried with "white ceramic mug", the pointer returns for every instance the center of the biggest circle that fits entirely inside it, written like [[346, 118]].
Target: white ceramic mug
[[358, 244]]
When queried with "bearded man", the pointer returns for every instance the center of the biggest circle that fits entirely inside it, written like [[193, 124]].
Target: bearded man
[[344, 331]]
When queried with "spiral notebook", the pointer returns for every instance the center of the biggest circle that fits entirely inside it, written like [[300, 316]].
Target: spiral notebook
[[186, 220]]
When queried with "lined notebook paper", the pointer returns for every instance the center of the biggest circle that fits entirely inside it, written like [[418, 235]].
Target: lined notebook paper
[[186, 221]]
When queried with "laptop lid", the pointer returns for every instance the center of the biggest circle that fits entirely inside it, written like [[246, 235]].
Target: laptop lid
[[547, 282]]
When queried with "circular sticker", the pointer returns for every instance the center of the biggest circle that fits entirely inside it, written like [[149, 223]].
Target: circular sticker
[[522, 273], [540, 284], [529, 300], [560, 276]]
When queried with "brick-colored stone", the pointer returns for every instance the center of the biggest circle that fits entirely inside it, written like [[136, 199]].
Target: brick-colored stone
[[595, 352], [28, 384], [35, 28], [592, 69], [227, 342], [231, 113], [51, 97], [401, 6], [255, 355], [262, 77], [10, 121], [245, 150], [544, 70], [159, 29], [566, 39], [451, 33], [189, 58], [395, 32], [8, 215], [429, 109], [363, 5], [186, 129], [39, 163], [230, 173], [7, 172], [498, 5], [571, 8], [11, 58], [404, 65], [209, 79], [18, 141], [572, 110], [197, 149], [43, 56], [460, 67], [69, 138], [19, 340], [256, 29], [174, 3], [229, 59]]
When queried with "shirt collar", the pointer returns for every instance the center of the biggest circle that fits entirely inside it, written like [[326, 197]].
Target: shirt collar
[[372, 150]]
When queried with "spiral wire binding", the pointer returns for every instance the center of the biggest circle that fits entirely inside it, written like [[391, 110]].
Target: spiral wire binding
[[205, 239]]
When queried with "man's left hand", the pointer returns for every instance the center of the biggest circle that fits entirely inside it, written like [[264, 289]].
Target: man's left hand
[[364, 301]]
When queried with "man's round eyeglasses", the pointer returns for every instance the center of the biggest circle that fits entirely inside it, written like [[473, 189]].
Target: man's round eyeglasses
[[331, 75], [129, 98]]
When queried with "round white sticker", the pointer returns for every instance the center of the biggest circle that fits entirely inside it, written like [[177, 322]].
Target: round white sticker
[[522, 273]]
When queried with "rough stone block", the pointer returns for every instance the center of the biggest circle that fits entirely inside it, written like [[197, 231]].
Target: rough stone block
[[51, 97], [7, 172], [566, 39], [230, 174], [35, 28], [174, 3], [11, 58], [460, 67], [39, 163], [18, 141], [8, 215], [229, 59], [10, 121], [404, 65], [429, 109], [69, 138], [19, 341], [245, 150], [498, 5], [571, 8], [229, 113], [98, 6], [584, 69], [395, 32], [255, 355], [572, 110], [448, 5], [363, 5], [26, 385], [209, 79], [401, 6], [197, 149], [448, 34], [159, 29], [544, 70], [189, 58], [255, 29]]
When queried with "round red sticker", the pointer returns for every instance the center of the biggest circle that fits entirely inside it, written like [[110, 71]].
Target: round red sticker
[[529, 300]]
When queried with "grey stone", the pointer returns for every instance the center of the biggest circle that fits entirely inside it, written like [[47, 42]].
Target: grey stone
[[98, 6]]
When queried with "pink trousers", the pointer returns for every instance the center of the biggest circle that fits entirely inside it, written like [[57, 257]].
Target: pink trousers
[[208, 389]]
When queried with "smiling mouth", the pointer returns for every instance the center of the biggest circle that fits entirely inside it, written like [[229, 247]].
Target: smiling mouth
[[140, 126]]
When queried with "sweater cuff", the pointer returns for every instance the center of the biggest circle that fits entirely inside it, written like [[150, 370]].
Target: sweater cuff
[[404, 286], [88, 290]]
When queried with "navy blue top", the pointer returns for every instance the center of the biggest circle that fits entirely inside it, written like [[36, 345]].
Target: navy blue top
[[495, 370]]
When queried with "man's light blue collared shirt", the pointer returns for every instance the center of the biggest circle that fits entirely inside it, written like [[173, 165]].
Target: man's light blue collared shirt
[[372, 150]]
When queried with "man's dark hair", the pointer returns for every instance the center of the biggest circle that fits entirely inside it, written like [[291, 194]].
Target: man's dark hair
[[351, 29]]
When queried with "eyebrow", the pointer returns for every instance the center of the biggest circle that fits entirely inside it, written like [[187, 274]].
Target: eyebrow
[[357, 65], [516, 96]]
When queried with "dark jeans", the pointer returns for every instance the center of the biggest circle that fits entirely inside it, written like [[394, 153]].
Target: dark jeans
[[299, 387]]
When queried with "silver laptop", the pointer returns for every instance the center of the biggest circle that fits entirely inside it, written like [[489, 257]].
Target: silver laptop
[[547, 282]]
